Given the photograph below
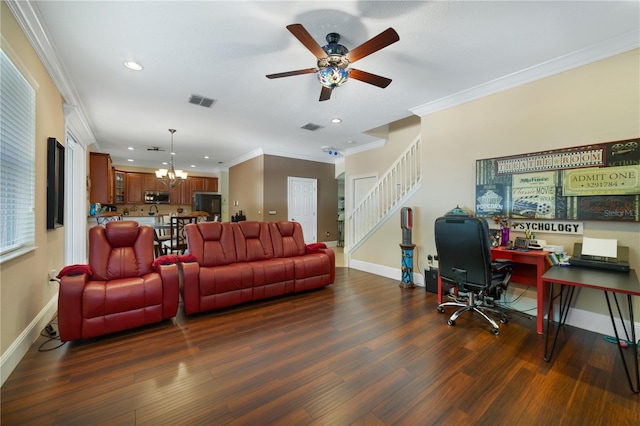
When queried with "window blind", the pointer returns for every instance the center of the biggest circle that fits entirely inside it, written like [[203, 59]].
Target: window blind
[[17, 158]]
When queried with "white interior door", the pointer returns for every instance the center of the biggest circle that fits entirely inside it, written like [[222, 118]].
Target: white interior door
[[303, 205]]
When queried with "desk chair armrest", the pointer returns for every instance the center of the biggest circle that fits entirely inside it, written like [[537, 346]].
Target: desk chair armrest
[[502, 265]]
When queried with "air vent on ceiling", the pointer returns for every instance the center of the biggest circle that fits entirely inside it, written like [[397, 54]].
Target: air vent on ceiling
[[311, 126], [201, 100]]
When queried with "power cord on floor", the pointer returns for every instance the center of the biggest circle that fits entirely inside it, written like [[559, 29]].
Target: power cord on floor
[[52, 336], [622, 342]]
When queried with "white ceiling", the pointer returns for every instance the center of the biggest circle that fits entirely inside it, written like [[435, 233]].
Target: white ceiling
[[224, 49]]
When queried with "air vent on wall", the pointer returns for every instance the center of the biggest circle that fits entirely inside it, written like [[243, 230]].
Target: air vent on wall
[[201, 100], [311, 126]]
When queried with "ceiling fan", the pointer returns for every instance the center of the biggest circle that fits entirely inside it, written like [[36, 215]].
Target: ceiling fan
[[334, 59]]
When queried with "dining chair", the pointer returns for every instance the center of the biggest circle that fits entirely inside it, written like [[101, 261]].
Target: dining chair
[[106, 217], [201, 215], [178, 241]]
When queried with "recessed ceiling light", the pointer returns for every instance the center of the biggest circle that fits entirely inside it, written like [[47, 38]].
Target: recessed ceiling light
[[133, 65], [206, 157], [130, 148], [336, 120], [130, 160], [351, 141], [193, 165]]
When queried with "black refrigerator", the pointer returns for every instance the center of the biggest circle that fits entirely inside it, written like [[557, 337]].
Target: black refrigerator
[[209, 202]]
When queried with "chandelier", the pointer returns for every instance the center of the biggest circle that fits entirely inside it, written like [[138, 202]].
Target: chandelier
[[171, 177]]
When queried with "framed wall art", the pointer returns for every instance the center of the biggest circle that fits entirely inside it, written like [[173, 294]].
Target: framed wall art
[[590, 182]]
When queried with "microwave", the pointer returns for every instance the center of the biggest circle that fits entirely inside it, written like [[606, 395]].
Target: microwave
[[154, 197]]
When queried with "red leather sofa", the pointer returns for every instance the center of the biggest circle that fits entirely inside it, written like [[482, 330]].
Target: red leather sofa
[[239, 262], [122, 290]]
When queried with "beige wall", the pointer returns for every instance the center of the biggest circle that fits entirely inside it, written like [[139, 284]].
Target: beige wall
[[246, 188], [24, 287], [278, 169], [599, 102], [383, 247], [260, 185]]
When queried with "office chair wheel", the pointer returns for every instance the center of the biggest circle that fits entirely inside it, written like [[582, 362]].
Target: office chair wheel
[[504, 320], [451, 322], [440, 309], [495, 331]]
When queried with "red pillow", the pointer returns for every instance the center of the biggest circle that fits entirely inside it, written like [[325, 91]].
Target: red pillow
[[74, 270]]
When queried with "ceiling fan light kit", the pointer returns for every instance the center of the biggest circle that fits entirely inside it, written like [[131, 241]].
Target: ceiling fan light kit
[[334, 59]]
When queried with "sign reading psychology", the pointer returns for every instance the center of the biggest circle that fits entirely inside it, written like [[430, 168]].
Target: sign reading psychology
[[549, 227]]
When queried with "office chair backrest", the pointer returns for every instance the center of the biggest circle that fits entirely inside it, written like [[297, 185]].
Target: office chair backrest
[[464, 252]]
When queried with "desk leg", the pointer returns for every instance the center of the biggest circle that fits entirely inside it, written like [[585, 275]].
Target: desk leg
[[635, 388], [542, 297], [566, 295]]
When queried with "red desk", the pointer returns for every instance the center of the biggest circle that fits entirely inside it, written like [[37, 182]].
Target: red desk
[[528, 270]]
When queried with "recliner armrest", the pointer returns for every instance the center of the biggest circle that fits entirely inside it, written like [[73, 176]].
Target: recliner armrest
[[70, 306], [170, 276]]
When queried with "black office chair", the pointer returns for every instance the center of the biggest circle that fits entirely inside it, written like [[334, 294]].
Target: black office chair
[[464, 257]]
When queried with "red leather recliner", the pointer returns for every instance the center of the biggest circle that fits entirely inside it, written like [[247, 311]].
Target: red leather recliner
[[123, 291]]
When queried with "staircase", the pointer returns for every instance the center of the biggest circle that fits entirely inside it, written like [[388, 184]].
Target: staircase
[[386, 197]]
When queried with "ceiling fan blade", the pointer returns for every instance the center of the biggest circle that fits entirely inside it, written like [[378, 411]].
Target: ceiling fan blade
[[382, 40], [325, 94], [291, 73], [367, 77], [305, 38]]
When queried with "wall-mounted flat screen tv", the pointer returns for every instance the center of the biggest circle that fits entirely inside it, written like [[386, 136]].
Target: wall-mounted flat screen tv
[[55, 184]]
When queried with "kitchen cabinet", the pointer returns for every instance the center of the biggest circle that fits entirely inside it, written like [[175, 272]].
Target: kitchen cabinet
[[152, 183], [134, 184], [211, 184], [129, 187], [119, 187], [181, 195], [203, 184], [101, 177]]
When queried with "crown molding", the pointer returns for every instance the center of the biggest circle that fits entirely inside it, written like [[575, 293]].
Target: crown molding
[[31, 24], [372, 145], [599, 51]]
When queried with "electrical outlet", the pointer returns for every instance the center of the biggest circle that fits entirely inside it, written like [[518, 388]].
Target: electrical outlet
[[52, 275], [328, 233]]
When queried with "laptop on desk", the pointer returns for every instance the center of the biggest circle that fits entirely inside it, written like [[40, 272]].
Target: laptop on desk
[[619, 263]]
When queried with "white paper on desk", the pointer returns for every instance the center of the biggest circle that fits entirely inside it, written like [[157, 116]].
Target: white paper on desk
[[604, 247]]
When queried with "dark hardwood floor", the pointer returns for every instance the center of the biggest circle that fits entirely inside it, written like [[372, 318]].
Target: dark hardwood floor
[[362, 351]]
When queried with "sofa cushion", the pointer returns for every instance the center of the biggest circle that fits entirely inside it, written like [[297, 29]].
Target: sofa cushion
[[224, 285], [313, 271], [253, 241], [110, 306], [212, 243], [272, 277], [287, 239], [122, 249]]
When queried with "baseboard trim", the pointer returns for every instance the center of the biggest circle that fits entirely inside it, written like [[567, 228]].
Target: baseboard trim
[[18, 349], [385, 271]]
